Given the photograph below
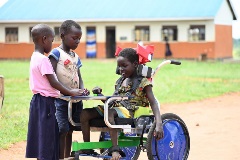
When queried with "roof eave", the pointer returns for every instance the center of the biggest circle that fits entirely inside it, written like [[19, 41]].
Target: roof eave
[[232, 9], [111, 20]]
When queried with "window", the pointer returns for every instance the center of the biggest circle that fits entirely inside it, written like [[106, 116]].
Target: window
[[11, 35], [30, 35], [170, 32], [141, 33], [196, 33], [57, 37]]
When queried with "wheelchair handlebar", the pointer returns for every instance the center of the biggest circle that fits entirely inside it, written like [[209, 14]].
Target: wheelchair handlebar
[[175, 62], [79, 98], [163, 64]]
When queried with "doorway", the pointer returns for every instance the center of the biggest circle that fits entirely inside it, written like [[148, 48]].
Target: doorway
[[110, 42]]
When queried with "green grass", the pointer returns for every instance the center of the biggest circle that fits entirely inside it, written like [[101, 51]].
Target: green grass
[[236, 53], [173, 84]]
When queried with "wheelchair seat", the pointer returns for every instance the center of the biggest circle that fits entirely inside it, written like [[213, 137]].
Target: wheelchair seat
[[99, 122]]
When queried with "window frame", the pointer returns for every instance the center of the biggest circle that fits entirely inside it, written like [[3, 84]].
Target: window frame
[[197, 33], [30, 35], [57, 37], [165, 32], [13, 36], [144, 36]]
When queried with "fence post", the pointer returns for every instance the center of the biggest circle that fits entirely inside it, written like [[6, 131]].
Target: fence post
[[1, 91]]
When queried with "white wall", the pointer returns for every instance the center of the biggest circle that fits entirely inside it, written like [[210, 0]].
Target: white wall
[[123, 29], [24, 33], [126, 30], [224, 15], [2, 33], [184, 26], [155, 31]]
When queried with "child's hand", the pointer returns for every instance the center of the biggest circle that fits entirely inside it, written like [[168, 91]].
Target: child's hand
[[86, 92], [76, 92], [159, 131], [97, 90]]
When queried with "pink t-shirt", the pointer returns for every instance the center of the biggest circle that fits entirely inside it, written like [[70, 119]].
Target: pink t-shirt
[[40, 65]]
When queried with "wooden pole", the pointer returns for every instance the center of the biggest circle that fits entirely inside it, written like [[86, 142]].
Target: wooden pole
[[1, 90]]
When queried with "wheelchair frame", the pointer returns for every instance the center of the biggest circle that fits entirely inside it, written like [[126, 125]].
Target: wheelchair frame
[[136, 141]]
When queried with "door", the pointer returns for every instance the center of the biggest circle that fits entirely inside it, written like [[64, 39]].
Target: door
[[110, 42]]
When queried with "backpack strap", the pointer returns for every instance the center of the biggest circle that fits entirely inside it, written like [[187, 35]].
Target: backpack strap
[[136, 83], [118, 85]]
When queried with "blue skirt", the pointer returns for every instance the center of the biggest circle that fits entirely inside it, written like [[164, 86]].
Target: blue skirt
[[43, 135]]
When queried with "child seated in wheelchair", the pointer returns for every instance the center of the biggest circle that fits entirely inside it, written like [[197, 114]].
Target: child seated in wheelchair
[[132, 84]]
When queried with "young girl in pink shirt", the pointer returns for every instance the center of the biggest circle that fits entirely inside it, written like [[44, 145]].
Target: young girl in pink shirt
[[42, 138]]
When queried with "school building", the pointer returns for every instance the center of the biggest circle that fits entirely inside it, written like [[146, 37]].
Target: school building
[[194, 28]]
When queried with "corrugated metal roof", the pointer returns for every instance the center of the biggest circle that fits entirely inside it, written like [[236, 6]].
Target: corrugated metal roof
[[107, 10]]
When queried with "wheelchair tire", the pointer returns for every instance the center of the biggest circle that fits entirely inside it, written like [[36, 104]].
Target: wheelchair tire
[[175, 144], [132, 153]]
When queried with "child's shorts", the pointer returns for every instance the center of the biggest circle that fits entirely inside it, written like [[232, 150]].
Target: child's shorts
[[62, 115], [121, 111]]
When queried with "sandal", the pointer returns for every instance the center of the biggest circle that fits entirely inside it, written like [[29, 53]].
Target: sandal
[[116, 149]]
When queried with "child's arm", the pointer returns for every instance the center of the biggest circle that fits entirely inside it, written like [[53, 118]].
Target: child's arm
[[53, 62], [57, 85], [86, 92], [156, 111], [81, 85]]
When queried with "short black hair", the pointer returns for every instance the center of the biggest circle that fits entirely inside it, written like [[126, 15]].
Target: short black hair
[[40, 30], [66, 26], [130, 54]]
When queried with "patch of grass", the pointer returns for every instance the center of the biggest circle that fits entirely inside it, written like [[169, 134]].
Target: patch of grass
[[236, 53], [173, 84]]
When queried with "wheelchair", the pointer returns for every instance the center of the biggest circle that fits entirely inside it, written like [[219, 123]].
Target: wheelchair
[[135, 134]]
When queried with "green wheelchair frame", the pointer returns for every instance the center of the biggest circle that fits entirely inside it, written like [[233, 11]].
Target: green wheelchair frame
[[175, 144]]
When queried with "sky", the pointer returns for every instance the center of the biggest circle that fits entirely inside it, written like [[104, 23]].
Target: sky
[[235, 24]]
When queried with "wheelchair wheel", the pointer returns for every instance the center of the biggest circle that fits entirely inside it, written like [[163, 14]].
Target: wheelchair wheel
[[175, 144], [132, 153]]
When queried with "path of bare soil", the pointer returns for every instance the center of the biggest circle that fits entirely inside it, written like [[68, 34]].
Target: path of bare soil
[[213, 125]]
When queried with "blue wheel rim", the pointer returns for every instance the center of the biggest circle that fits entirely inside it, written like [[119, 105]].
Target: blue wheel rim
[[173, 145]]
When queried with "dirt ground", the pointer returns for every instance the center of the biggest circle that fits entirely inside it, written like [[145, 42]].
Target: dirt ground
[[213, 125]]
